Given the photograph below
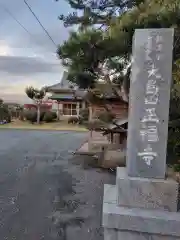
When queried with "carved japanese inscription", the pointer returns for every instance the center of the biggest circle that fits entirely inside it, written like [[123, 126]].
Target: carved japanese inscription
[[149, 102]]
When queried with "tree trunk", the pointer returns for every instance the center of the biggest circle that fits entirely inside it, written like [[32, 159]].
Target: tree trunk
[[38, 113], [58, 115]]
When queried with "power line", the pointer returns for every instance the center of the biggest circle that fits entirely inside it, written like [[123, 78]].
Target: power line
[[18, 22], [40, 23]]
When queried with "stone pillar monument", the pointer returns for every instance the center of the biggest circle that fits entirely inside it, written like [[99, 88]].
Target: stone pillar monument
[[143, 203]]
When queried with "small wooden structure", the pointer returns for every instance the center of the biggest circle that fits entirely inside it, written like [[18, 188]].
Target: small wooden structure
[[118, 131], [116, 134]]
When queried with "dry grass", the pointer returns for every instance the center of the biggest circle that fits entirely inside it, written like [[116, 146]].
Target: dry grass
[[59, 126]]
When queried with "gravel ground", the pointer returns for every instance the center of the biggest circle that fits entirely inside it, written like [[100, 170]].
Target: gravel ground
[[45, 193]]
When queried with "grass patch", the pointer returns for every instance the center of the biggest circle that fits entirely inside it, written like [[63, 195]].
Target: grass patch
[[59, 126]]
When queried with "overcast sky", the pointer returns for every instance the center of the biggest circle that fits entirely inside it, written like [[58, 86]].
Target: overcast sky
[[29, 59]]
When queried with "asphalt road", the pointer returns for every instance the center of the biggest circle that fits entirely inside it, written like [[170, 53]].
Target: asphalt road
[[44, 191]]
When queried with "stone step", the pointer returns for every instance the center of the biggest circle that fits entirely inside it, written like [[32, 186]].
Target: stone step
[[136, 223]]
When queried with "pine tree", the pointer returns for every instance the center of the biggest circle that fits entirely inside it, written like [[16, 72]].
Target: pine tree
[[100, 12]]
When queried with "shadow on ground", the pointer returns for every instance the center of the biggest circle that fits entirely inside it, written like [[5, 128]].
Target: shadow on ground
[[78, 204]]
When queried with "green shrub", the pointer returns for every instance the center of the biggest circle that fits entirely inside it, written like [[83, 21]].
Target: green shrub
[[106, 117], [54, 114], [176, 167], [84, 114], [95, 125], [5, 114], [81, 121], [42, 115], [49, 117], [21, 116], [173, 147], [45, 116], [31, 116], [8, 117], [73, 120]]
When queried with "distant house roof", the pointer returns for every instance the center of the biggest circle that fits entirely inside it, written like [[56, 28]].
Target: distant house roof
[[31, 106], [69, 96], [64, 84], [28, 105], [73, 91], [104, 88]]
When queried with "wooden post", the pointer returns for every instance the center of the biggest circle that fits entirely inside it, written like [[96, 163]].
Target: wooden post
[[58, 117]]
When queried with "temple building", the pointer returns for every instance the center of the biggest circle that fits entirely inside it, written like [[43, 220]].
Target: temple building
[[67, 98]]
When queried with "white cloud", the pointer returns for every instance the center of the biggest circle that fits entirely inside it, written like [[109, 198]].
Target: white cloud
[[15, 91], [5, 50], [13, 88], [18, 87], [20, 68], [29, 59]]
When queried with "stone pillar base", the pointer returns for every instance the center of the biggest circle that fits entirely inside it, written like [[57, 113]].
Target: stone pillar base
[[140, 221], [123, 223], [147, 193]]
